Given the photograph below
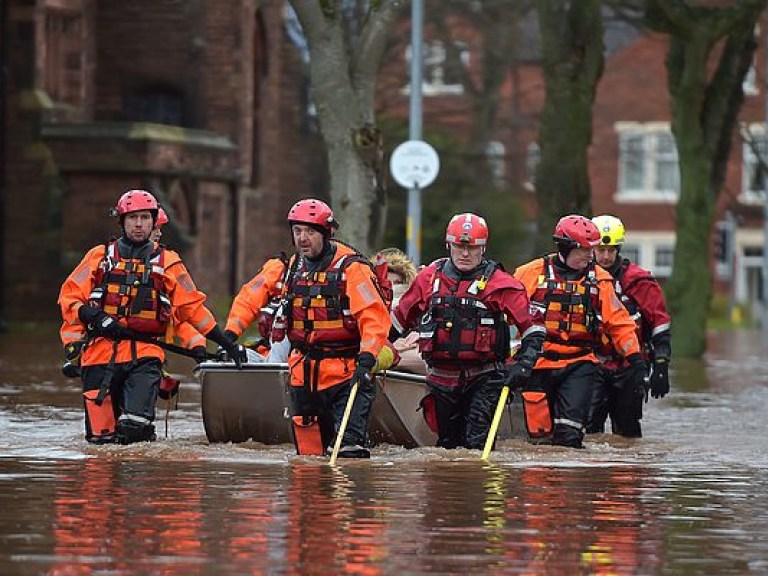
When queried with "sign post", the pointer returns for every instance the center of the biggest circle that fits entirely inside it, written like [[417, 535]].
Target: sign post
[[414, 165]]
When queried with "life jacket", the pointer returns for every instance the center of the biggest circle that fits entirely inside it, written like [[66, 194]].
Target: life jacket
[[567, 306], [620, 283], [132, 290], [457, 326], [315, 311], [266, 316]]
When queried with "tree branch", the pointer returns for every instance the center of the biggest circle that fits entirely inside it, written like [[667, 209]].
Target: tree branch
[[372, 44]]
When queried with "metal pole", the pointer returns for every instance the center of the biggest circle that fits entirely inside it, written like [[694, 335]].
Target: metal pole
[[764, 159], [413, 226]]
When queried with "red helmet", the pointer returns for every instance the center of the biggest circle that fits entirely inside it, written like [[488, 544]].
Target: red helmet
[[575, 230], [135, 200], [314, 212], [467, 228], [162, 217]]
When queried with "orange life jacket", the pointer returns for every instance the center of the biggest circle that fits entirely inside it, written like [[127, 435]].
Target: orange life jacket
[[132, 290], [568, 306], [458, 326], [316, 309]]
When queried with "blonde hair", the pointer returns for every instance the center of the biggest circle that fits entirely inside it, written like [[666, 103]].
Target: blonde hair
[[399, 263]]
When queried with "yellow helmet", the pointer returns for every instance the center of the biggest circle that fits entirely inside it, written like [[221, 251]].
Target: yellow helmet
[[611, 230]]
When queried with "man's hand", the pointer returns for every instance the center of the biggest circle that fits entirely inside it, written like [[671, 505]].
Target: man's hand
[[199, 354], [636, 373], [102, 324], [516, 375], [365, 363], [660, 378], [235, 352]]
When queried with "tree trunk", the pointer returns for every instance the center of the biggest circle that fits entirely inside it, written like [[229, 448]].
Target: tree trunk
[[343, 80], [705, 109], [572, 61]]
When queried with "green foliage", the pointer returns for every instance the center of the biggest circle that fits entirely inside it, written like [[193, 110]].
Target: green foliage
[[455, 191], [724, 316]]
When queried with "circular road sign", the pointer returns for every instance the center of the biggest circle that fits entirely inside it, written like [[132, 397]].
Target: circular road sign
[[414, 164]]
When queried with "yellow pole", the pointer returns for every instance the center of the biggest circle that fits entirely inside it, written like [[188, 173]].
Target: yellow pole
[[495, 423], [344, 420]]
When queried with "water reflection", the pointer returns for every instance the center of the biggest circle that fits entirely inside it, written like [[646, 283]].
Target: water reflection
[[681, 500]]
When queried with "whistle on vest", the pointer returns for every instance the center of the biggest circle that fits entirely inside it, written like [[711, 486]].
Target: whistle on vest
[[478, 285]]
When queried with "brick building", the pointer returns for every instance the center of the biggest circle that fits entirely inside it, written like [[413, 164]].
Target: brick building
[[633, 160], [200, 101]]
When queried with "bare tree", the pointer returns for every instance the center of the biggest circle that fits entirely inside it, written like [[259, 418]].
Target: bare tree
[[711, 49], [346, 40]]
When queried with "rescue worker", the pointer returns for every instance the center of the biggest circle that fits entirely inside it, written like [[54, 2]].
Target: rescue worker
[[120, 295], [462, 306], [326, 300], [643, 298], [576, 299]]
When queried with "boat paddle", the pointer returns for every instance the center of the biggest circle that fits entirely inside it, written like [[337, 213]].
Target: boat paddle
[[495, 423], [168, 346], [343, 426]]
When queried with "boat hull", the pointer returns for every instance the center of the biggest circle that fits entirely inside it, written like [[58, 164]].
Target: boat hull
[[254, 404]]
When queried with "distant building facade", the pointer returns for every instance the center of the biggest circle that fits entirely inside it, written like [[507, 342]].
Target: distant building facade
[[200, 102]]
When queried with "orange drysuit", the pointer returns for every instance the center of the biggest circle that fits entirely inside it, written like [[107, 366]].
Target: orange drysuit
[[369, 311], [255, 294], [187, 304], [578, 343]]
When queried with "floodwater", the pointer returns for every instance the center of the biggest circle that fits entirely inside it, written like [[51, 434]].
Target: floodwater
[[689, 498]]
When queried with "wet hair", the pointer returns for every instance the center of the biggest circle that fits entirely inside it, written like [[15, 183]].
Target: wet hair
[[399, 263]]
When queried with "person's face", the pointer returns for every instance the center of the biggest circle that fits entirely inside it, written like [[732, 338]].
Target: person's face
[[395, 279], [466, 257], [308, 241], [156, 234], [138, 225], [579, 258], [606, 255]]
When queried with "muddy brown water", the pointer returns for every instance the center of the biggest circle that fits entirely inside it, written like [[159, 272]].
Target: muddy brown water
[[689, 498]]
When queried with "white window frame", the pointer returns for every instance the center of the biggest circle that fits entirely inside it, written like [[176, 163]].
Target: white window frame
[[496, 156], [663, 270], [532, 161], [433, 75], [749, 162], [651, 134]]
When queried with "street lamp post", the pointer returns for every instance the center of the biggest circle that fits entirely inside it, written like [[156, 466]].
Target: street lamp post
[[413, 225]]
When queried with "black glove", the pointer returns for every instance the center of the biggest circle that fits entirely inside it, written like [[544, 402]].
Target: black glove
[[199, 354], [72, 351], [516, 375], [234, 352], [71, 368], [659, 382], [531, 348], [636, 373], [363, 376], [102, 324], [231, 335]]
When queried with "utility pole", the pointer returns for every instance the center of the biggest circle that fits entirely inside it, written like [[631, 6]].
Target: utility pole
[[413, 225], [764, 160]]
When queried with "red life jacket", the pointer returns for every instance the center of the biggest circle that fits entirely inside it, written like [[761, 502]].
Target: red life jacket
[[621, 282], [567, 306], [132, 290], [458, 327]]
